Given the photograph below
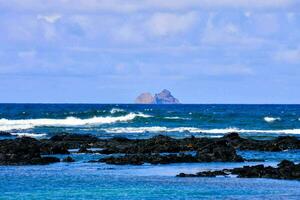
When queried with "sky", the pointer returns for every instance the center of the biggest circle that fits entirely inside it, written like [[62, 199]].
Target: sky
[[109, 51]]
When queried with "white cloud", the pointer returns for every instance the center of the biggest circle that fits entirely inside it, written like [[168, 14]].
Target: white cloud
[[162, 24], [227, 33], [140, 5], [49, 18], [291, 56], [128, 33]]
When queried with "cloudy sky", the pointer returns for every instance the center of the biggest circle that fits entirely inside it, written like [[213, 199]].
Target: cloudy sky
[[109, 51]]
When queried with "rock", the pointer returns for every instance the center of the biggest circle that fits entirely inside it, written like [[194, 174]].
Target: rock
[[145, 98], [74, 138], [22, 151], [5, 134], [68, 159], [165, 97], [48, 148], [83, 149], [204, 174], [284, 170], [139, 159], [219, 151]]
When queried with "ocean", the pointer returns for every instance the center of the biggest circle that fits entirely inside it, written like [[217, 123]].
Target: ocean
[[83, 180]]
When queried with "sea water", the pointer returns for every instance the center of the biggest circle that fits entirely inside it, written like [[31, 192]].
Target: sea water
[[83, 180]]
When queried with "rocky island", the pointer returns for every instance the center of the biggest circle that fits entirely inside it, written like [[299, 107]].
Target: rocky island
[[164, 97]]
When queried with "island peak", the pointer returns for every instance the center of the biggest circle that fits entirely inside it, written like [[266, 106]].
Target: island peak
[[164, 97]]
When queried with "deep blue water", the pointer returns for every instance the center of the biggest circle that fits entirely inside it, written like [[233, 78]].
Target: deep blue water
[[82, 180], [147, 120]]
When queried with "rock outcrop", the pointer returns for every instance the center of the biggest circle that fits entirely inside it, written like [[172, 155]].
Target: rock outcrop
[[23, 151], [145, 98], [164, 97], [284, 170]]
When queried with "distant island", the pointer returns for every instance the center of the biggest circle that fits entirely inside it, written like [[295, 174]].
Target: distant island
[[164, 97]]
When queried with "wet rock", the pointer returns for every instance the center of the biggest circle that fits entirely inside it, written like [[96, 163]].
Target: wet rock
[[74, 138], [54, 148], [22, 151], [219, 151], [139, 159], [83, 149], [5, 134], [204, 174], [284, 170], [68, 159]]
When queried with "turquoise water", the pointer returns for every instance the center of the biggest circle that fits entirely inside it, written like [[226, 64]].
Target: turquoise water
[[83, 180]]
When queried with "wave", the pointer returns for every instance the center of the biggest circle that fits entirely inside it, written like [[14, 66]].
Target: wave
[[8, 125], [161, 129], [176, 118], [271, 119], [116, 110], [34, 135]]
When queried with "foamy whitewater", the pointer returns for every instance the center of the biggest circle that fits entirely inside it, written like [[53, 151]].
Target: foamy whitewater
[[7, 125], [134, 121]]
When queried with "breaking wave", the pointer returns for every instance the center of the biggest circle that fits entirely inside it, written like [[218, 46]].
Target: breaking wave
[[34, 135], [271, 119], [7, 125], [161, 129]]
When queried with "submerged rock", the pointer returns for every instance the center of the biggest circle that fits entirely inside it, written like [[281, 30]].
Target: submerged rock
[[284, 170], [5, 134], [68, 159]]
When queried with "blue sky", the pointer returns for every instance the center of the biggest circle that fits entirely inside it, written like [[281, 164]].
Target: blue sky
[[109, 51]]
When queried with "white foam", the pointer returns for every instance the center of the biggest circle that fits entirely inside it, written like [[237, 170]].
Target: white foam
[[7, 125], [176, 118], [116, 110], [161, 129], [34, 135], [271, 119]]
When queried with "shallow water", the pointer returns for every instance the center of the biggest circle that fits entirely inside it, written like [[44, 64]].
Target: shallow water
[[82, 180]]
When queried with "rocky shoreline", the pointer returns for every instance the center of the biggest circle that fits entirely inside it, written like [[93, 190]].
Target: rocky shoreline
[[156, 150], [284, 170]]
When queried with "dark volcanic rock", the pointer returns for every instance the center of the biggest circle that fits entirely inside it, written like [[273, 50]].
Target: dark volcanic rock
[[74, 138], [68, 159], [285, 170], [83, 149], [54, 148], [204, 174], [139, 159], [219, 151], [22, 151], [5, 134], [165, 144]]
